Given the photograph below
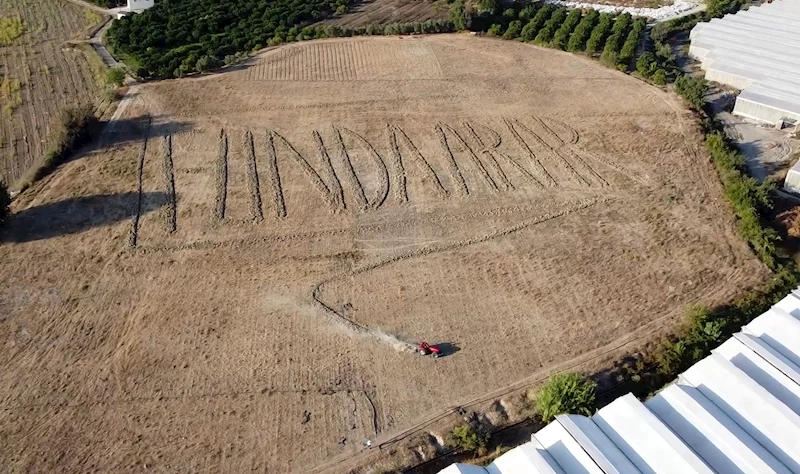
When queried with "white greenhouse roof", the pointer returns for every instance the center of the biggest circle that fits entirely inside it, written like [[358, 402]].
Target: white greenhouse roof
[[735, 412], [755, 48]]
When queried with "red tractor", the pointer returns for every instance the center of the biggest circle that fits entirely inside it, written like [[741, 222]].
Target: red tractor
[[425, 349]]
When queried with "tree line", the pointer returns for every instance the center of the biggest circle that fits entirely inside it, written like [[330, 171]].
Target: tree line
[[177, 36], [614, 38]]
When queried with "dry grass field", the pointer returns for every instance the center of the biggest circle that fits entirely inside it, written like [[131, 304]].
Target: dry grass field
[[43, 76], [229, 280]]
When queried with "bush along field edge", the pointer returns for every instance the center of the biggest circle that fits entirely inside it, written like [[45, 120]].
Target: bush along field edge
[[155, 46]]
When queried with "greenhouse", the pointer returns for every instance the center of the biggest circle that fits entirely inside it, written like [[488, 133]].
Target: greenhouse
[[755, 50], [735, 412]]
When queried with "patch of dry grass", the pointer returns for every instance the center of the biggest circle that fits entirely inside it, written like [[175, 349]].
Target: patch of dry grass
[[11, 28]]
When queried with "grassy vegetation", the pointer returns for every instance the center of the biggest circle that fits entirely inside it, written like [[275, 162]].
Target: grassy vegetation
[[11, 28], [70, 130], [115, 76], [474, 439], [564, 393], [10, 95]]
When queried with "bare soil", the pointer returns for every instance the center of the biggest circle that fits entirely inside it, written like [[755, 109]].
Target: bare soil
[[52, 75], [231, 280]]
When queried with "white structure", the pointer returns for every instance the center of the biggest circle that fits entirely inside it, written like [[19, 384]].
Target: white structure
[[667, 12], [755, 50], [792, 180], [137, 6], [735, 412], [134, 6]]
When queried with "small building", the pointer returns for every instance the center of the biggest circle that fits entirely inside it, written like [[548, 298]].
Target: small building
[[134, 6], [792, 181]]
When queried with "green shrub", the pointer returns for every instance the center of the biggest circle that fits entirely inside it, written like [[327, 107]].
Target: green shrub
[[513, 30], [632, 41], [611, 51], [599, 33], [718, 8], [527, 13], [659, 77], [472, 439], [565, 393], [577, 42], [563, 33], [545, 35], [646, 64], [495, 30], [459, 16], [491, 6], [115, 76], [692, 89], [666, 29], [530, 30]]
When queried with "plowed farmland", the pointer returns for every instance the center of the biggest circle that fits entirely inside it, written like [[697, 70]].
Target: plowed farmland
[[44, 75], [230, 280]]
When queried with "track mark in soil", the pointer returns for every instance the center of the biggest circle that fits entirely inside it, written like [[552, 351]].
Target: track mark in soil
[[276, 189], [376, 429], [133, 235], [401, 191], [486, 151], [552, 150], [350, 173], [222, 176], [574, 137], [256, 211], [444, 129], [461, 189], [335, 190], [361, 329], [171, 209], [531, 156], [309, 172], [378, 165], [334, 232], [562, 144]]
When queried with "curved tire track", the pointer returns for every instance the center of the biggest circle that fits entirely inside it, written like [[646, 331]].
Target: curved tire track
[[362, 329]]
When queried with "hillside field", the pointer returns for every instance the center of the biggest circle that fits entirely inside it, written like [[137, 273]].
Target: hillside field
[[231, 278], [41, 74]]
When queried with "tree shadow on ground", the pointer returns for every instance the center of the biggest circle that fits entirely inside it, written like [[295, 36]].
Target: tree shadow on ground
[[73, 216], [130, 130]]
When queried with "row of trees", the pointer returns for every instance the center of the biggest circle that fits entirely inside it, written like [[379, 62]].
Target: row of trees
[[174, 35], [558, 27]]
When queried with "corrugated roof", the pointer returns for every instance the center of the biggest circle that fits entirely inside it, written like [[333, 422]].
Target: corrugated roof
[[756, 47], [735, 412]]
